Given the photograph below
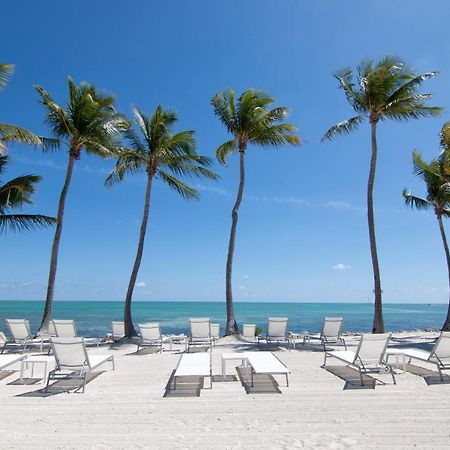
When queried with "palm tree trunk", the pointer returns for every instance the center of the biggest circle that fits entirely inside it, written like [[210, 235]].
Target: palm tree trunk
[[55, 247], [231, 327], [129, 327], [378, 323], [446, 326]]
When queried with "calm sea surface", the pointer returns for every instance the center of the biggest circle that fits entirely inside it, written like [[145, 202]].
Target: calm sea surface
[[93, 318]]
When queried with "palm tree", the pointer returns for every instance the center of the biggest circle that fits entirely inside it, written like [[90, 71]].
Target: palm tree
[[87, 122], [383, 90], [437, 198], [14, 194], [250, 122], [8, 132], [153, 148]]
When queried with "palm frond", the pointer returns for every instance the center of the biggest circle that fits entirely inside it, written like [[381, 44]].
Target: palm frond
[[18, 191], [225, 150], [24, 222], [415, 202], [14, 133], [128, 163], [6, 70], [444, 136], [182, 188], [344, 127]]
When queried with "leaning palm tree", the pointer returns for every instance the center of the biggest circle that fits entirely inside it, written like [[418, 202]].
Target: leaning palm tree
[[87, 122], [383, 90], [251, 122], [162, 155], [13, 195], [13, 133], [437, 198]]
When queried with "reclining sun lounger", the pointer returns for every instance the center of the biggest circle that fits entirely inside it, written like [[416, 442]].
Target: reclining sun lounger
[[277, 330], [200, 332], [66, 329], [266, 363], [194, 364], [439, 355], [369, 356], [151, 337], [72, 357], [118, 330], [330, 334], [21, 335]]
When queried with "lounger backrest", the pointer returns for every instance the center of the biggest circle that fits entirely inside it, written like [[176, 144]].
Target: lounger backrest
[[215, 330], [70, 353], [118, 329], [65, 328], [52, 329], [371, 349], [441, 349], [200, 327], [150, 331], [19, 328], [332, 327], [249, 330], [277, 326]]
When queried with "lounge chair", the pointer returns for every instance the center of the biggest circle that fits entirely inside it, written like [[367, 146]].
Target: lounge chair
[[118, 330], [266, 363], [194, 365], [276, 330], [52, 329], [215, 332], [249, 331], [7, 360], [439, 355], [21, 335], [369, 356], [73, 360], [330, 334], [151, 337], [200, 332], [66, 329]]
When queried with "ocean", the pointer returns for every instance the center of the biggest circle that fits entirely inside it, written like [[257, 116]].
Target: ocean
[[93, 318]]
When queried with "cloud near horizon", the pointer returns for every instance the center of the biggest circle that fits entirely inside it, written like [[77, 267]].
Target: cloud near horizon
[[341, 266]]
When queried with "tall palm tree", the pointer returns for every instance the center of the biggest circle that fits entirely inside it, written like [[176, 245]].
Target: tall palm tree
[[8, 132], [251, 122], [437, 198], [154, 148], [87, 122], [386, 89], [13, 195]]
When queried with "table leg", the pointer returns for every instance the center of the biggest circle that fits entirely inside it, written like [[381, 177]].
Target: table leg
[[22, 364]]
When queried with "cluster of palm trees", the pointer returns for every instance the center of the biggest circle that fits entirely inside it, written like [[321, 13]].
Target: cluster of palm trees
[[386, 89]]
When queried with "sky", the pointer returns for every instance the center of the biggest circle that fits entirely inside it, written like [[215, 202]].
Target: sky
[[302, 232]]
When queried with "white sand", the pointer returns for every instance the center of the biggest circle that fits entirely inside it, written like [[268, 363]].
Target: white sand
[[125, 408]]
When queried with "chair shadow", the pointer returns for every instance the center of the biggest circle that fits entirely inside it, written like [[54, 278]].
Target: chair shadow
[[351, 377], [262, 383], [185, 386], [429, 376], [198, 349], [62, 386], [5, 373], [145, 351]]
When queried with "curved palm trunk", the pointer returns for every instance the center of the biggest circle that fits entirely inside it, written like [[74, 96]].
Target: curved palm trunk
[[55, 248], [378, 323], [231, 327], [129, 327], [446, 326]]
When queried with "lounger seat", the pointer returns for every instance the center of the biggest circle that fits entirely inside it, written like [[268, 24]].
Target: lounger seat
[[347, 356], [7, 360], [194, 364], [266, 363]]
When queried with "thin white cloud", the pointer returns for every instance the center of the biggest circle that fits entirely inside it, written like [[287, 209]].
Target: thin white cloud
[[212, 189], [341, 266], [141, 284]]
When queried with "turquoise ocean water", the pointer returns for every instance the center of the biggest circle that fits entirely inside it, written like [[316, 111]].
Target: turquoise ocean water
[[93, 318]]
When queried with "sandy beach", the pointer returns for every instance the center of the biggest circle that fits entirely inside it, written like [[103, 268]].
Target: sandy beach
[[126, 408]]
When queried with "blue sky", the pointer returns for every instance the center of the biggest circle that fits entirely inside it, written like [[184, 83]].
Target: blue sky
[[302, 232]]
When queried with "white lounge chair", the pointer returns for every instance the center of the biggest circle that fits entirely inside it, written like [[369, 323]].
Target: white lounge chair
[[21, 335], [7, 360], [66, 329], [200, 332], [215, 332], [369, 356], [249, 331], [151, 336], [52, 329], [439, 355], [73, 360], [193, 365], [276, 330], [118, 330], [266, 363], [330, 334]]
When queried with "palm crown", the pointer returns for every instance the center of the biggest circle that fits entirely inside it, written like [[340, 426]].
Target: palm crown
[[383, 90], [88, 120], [438, 187], [161, 153], [13, 195], [8, 132], [250, 121]]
